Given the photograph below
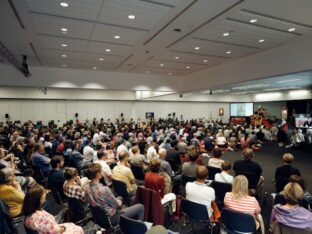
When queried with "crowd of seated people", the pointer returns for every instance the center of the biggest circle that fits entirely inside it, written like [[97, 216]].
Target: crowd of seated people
[[166, 152]]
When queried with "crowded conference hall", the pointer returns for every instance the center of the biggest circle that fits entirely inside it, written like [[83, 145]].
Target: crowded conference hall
[[155, 116]]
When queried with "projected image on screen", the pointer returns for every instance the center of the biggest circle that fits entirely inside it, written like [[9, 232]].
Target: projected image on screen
[[241, 109]]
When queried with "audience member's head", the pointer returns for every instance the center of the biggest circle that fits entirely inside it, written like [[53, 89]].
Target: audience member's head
[[299, 180], [226, 166], [201, 173], [57, 162], [288, 158], [162, 153], [193, 155], [70, 173], [293, 193], [155, 165], [135, 149], [102, 154], [6, 175], [217, 152], [33, 200], [94, 171], [247, 154], [240, 187], [123, 156]]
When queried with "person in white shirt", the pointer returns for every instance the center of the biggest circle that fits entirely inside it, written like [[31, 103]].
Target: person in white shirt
[[199, 192], [216, 160], [88, 151], [121, 148], [224, 176], [151, 152], [106, 171], [221, 140]]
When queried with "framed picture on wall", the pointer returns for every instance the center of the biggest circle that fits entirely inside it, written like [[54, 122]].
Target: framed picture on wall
[[221, 111]]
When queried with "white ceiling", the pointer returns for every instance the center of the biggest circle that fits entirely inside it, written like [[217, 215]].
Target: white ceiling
[[149, 40]]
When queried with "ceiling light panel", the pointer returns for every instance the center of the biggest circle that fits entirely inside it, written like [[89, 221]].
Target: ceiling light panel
[[128, 36], [107, 58], [213, 48], [55, 54], [80, 9], [100, 48], [48, 42], [50, 25], [146, 14], [272, 22]]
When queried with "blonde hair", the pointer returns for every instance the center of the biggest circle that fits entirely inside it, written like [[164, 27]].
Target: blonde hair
[[293, 193], [240, 187], [288, 158]]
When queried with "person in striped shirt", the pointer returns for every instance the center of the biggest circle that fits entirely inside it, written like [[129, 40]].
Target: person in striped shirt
[[98, 195], [239, 200]]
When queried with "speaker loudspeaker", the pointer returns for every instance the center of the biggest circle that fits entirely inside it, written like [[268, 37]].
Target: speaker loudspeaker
[[76, 115], [121, 114], [6, 116]]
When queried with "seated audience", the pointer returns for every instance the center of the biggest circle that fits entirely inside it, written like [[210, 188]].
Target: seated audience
[[165, 166], [138, 159], [291, 214], [56, 177], [189, 168], [307, 197], [106, 171], [41, 221], [199, 192], [40, 161], [247, 165], [153, 180], [73, 186], [286, 170], [123, 173], [240, 200], [216, 160], [99, 195], [10, 191], [225, 176]]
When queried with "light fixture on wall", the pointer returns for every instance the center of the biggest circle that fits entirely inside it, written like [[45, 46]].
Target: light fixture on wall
[[284, 112], [221, 111]]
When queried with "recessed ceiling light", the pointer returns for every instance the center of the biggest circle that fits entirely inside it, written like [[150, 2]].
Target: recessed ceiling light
[[176, 57], [131, 16], [197, 48], [226, 34], [253, 20], [64, 29], [64, 45], [64, 65], [261, 40], [291, 29], [187, 67], [228, 52], [64, 4], [101, 59], [108, 50], [161, 64], [94, 68], [64, 55], [117, 37], [170, 74], [205, 60]]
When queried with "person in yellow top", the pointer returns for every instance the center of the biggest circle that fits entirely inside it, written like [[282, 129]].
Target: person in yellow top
[[123, 173], [10, 191]]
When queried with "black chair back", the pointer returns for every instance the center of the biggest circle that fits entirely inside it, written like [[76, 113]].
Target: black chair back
[[131, 226], [195, 211], [212, 171], [252, 178], [220, 189], [280, 184], [76, 209], [186, 179], [6, 225], [101, 217], [236, 222], [137, 172], [120, 189]]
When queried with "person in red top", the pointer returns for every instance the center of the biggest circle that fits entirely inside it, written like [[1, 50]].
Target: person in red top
[[154, 181]]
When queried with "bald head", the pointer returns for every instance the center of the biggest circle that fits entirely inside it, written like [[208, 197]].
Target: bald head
[[162, 153]]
